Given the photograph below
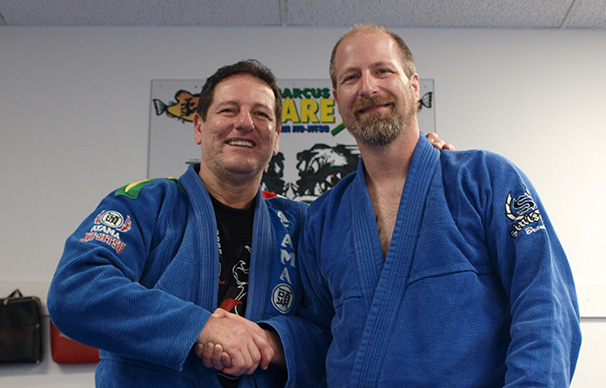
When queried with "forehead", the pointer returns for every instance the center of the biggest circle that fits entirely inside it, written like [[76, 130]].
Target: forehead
[[243, 89], [366, 49]]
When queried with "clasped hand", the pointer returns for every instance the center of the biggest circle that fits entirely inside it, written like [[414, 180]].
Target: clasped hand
[[233, 344]]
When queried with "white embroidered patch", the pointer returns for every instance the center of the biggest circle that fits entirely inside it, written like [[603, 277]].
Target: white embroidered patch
[[522, 211], [282, 298], [115, 220], [107, 228]]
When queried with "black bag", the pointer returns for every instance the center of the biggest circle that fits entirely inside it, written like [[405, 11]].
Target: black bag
[[20, 329]]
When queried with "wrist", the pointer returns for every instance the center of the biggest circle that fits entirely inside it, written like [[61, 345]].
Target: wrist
[[276, 343]]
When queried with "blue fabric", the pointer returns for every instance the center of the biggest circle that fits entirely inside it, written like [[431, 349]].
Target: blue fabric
[[475, 290], [139, 279]]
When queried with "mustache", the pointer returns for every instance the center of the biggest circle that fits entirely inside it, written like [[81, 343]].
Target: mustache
[[368, 102]]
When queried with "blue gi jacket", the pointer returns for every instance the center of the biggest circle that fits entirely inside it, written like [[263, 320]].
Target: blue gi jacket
[[475, 290], [139, 279]]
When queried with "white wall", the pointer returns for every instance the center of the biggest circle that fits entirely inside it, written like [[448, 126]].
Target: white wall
[[75, 106]]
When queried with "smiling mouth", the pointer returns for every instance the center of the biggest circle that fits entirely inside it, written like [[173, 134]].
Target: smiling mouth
[[372, 108], [240, 143]]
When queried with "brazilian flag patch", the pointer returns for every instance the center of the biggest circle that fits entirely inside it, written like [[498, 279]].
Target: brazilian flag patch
[[132, 190]]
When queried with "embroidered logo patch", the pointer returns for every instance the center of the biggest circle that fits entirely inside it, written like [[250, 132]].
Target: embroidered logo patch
[[523, 212], [282, 298], [114, 219], [107, 228]]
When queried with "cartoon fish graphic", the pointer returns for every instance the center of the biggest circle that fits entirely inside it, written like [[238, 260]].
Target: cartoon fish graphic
[[425, 101], [183, 109]]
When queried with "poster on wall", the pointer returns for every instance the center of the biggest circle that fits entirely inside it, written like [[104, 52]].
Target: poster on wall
[[316, 151]]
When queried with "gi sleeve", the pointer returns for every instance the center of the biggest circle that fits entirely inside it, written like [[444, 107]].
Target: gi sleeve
[[536, 276], [107, 290]]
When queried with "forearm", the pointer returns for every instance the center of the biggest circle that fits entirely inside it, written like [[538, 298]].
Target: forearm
[[120, 311]]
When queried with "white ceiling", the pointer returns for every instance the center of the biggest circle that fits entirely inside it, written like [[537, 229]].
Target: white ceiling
[[307, 13]]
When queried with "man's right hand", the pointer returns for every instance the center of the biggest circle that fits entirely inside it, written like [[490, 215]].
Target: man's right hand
[[233, 344]]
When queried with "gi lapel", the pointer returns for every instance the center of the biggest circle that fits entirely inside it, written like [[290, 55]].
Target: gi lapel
[[366, 241], [393, 278], [260, 261], [207, 248]]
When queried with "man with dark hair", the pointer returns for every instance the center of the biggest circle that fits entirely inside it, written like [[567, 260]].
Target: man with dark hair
[[143, 275]]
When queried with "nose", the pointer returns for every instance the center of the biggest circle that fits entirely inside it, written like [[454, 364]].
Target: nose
[[367, 84], [244, 120]]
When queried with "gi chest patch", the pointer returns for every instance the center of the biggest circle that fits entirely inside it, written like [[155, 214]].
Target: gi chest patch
[[282, 298], [524, 214]]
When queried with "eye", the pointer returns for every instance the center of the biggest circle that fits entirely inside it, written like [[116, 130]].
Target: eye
[[348, 78], [227, 111], [263, 114]]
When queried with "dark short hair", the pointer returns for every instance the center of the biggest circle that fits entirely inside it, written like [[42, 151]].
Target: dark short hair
[[250, 66]]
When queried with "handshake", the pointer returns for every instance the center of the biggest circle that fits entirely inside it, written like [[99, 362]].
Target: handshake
[[236, 346]]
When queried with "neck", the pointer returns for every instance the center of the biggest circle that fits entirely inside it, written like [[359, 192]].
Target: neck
[[385, 171], [233, 191], [388, 164]]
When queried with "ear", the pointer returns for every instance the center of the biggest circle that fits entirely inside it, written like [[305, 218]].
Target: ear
[[415, 83], [334, 95], [277, 142], [198, 122]]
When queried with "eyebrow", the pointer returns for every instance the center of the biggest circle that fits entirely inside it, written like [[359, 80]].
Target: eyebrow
[[390, 63], [255, 105]]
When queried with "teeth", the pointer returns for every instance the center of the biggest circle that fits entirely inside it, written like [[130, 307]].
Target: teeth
[[243, 143]]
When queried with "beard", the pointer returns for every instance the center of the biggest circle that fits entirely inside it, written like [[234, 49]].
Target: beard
[[379, 128]]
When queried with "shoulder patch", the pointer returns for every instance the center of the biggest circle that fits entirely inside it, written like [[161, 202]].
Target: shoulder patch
[[132, 190], [523, 213]]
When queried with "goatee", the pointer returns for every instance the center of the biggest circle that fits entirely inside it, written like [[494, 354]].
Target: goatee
[[379, 128]]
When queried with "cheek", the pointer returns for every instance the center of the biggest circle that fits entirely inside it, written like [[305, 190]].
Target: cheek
[[267, 132], [347, 103], [218, 127]]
